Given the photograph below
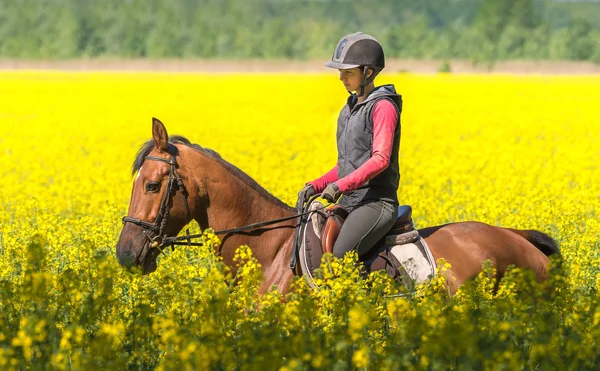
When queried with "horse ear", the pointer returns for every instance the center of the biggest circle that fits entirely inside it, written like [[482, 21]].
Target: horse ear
[[160, 136]]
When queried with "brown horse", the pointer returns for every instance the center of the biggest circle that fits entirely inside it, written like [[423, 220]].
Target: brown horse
[[217, 194]]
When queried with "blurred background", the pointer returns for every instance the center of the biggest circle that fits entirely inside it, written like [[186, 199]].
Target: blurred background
[[480, 32]]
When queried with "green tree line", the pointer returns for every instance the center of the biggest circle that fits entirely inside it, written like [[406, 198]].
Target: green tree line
[[478, 30]]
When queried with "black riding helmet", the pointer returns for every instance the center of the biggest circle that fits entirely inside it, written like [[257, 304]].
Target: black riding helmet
[[358, 50]]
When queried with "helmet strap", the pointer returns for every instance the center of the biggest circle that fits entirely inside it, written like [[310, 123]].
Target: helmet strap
[[363, 81], [367, 80]]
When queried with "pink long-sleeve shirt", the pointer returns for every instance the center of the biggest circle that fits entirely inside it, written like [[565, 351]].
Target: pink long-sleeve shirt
[[385, 119]]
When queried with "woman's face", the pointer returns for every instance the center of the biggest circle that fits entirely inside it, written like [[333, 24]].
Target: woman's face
[[351, 78]]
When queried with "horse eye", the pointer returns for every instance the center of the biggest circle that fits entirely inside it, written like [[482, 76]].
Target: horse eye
[[153, 187]]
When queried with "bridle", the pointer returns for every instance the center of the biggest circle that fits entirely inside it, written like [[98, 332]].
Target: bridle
[[154, 231]]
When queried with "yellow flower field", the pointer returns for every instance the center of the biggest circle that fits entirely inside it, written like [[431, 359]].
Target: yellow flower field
[[514, 151]]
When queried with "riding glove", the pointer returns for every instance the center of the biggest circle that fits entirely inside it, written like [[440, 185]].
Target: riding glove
[[306, 192], [331, 193]]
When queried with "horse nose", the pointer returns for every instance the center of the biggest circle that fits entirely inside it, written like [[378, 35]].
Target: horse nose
[[125, 251], [126, 259]]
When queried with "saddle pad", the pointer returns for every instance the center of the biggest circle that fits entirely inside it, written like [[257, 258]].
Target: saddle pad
[[416, 259], [317, 219], [310, 252]]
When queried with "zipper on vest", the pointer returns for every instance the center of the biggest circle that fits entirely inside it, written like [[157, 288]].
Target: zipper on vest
[[346, 140]]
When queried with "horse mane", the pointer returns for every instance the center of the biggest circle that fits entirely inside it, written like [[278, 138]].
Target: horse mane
[[147, 147]]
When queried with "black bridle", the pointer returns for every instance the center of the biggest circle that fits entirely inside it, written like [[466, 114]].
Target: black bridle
[[154, 231]]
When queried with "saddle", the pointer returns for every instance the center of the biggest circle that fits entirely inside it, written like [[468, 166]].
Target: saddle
[[401, 252], [335, 216]]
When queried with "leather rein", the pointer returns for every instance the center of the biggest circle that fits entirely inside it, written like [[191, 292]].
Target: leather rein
[[154, 231]]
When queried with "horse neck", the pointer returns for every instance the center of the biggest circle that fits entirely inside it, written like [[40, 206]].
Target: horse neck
[[228, 199]]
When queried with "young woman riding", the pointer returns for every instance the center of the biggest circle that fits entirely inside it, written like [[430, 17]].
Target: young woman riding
[[367, 174]]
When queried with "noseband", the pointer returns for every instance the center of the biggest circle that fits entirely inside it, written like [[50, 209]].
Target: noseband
[[154, 231]]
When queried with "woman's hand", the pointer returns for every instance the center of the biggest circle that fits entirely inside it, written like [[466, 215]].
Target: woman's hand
[[306, 193], [331, 193]]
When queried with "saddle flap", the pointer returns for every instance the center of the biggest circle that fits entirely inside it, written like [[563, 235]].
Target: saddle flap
[[336, 216]]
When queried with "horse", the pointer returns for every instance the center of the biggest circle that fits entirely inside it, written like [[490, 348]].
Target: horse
[[219, 195]]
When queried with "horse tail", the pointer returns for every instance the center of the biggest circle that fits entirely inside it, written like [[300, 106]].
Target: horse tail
[[542, 241]]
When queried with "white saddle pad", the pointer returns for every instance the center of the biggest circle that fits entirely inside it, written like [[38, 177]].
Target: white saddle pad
[[416, 259]]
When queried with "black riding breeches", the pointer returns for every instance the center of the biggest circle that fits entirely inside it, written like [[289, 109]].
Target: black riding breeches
[[365, 225]]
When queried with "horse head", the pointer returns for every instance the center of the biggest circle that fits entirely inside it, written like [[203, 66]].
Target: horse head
[[155, 209]]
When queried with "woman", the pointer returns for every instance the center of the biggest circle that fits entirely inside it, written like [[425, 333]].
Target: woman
[[367, 174]]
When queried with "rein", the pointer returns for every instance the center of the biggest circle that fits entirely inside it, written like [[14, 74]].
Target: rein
[[154, 231], [187, 237]]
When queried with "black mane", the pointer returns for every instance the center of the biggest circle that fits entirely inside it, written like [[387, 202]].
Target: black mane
[[147, 147]]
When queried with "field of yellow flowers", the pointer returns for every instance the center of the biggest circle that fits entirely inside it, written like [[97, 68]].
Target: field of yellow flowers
[[513, 151]]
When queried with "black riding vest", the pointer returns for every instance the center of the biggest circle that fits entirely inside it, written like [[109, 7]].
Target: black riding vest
[[355, 147]]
